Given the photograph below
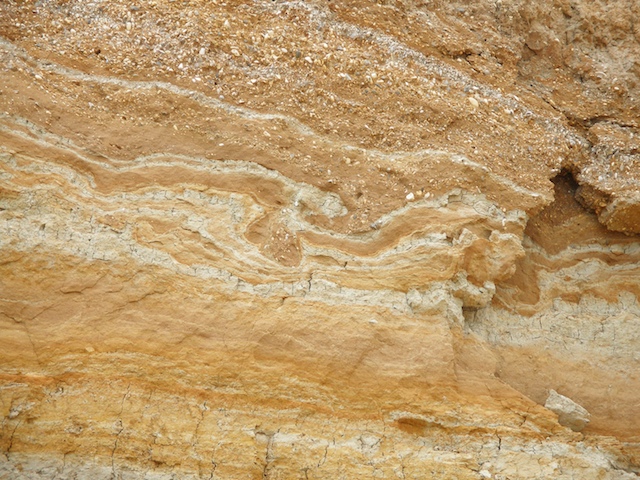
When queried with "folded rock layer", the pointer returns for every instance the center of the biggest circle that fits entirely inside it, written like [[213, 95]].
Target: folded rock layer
[[319, 240]]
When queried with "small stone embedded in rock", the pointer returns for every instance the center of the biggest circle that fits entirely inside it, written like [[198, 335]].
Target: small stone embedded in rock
[[410, 196], [570, 414], [474, 103]]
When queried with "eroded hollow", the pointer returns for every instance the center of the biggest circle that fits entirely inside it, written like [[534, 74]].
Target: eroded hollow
[[569, 317], [570, 218]]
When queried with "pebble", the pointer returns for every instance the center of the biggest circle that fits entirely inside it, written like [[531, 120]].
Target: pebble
[[203, 51], [474, 103], [129, 26], [410, 196]]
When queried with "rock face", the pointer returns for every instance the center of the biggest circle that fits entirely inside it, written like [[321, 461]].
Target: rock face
[[319, 240]]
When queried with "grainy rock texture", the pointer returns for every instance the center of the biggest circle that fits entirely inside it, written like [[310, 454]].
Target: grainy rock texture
[[319, 240], [570, 414]]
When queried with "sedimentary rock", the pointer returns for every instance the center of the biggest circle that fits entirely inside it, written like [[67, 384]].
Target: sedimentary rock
[[570, 414], [318, 239]]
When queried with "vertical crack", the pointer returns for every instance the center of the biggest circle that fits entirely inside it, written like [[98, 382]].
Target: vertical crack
[[113, 450], [203, 408], [324, 457], [11, 439], [269, 457], [120, 430], [214, 465], [64, 462], [33, 345]]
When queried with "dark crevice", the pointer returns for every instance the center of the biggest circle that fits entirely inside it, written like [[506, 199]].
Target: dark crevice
[[590, 122], [589, 197]]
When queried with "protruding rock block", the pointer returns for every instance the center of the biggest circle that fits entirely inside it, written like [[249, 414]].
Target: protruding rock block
[[570, 414]]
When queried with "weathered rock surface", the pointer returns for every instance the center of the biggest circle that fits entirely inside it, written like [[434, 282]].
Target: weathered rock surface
[[570, 414], [319, 239]]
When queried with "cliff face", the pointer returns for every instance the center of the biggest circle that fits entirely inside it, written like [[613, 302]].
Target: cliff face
[[319, 239]]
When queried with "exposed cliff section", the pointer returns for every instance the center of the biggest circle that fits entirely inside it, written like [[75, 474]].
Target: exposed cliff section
[[319, 240], [572, 301]]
